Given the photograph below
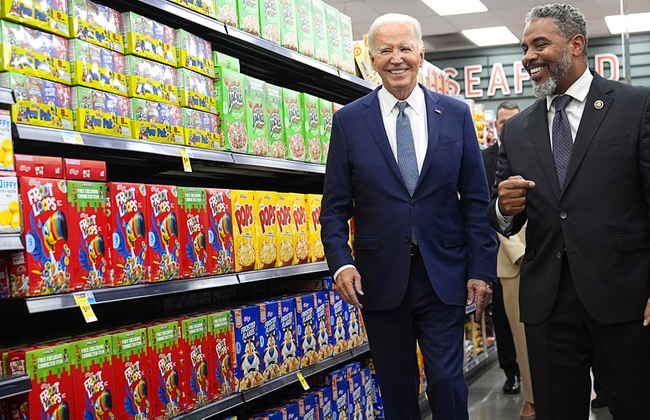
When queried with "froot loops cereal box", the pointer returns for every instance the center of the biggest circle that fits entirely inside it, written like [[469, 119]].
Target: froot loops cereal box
[[311, 128], [229, 89], [300, 233], [244, 229], [288, 28], [221, 338], [316, 249], [150, 80], [147, 38], [156, 121], [205, 7], [200, 129], [304, 25], [286, 227], [270, 20], [97, 67], [292, 110], [247, 341], [194, 53], [166, 363], [197, 366], [164, 240], [220, 231], [227, 12], [267, 230], [133, 392], [270, 339], [193, 214], [97, 24], [48, 15], [275, 120], [100, 112]]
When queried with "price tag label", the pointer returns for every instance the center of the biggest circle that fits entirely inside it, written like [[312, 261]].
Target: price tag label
[[303, 382], [84, 305], [72, 138], [187, 166]]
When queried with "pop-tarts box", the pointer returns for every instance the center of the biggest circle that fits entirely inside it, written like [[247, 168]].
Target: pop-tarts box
[[306, 328], [284, 216], [300, 234], [244, 229], [339, 321], [48, 15], [220, 231], [266, 234], [289, 345], [193, 228], [85, 170], [270, 336], [323, 326], [368, 392], [293, 410], [355, 397], [164, 242], [132, 381], [309, 407], [96, 23], [39, 166], [247, 343], [222, 353], [338, 382], [197, 369], [316, 249], [166, 364]]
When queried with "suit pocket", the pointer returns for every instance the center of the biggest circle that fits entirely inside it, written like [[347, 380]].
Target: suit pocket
[[449, 145], [632, 241], [610, 141], [366, 243], [454, 239], [530, 253]]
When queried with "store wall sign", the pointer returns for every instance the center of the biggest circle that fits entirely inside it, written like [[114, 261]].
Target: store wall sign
[[607, 65]]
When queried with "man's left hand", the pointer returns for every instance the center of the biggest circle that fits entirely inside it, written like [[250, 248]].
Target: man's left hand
[[646, 314], [480, 291]]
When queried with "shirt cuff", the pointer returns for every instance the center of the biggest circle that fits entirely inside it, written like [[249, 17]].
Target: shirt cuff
[[336, 274], [505, 222]]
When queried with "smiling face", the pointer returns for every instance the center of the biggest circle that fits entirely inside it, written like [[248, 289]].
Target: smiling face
[[553, 61], [397, 57]]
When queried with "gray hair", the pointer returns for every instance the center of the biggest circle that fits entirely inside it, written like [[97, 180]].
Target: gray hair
[[394, 18], [568, 19], [507, 105]]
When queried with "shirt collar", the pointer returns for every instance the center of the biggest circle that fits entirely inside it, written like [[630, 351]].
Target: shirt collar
[[578, 90], [388, 101]]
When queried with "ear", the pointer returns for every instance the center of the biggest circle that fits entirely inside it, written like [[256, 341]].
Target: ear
[[578, 44]]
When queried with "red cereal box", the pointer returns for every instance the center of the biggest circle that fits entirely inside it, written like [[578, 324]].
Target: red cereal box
[[197, 367], [270, 336], [247, 340], [288, 346], [193, 215], [286, 227], [306, 327], [221, 338], [316, 249], [267, 230], [244, 230], [87, 170], [127, 224], [38, 166], [88, 233], [166, 363], [45, 215], [133, 394], [164, 242], [220, 239], [300, 234]]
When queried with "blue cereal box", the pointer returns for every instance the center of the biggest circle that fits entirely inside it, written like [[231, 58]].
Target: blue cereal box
[[156, 121], [323, 326], [288, 347], [247, 339], [101, 112], [47, 15], [193, 53], [97, 24], [97, 67], [147, 38], [200, 129], [339, 320], [309, 407], [196, 91], [293, 410], [306, 327], [338, 382], [355, 397], [324, 395], [270, 337], [355, 327], [368, 392], [150, 80]]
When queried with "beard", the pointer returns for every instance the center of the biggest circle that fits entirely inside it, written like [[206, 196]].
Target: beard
[[557, 71]]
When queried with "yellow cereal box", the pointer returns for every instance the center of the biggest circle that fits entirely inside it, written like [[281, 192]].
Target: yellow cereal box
[[243, 215], [9, 205], [48, 15], [286, 227], [316, 250], [267, 230], [300, 233]]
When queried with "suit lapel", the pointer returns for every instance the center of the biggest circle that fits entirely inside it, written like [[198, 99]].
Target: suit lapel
[[538, 132], [435, 114]]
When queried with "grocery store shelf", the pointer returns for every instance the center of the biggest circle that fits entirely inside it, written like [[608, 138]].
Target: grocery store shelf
[[275, 273], [474, 363], [214, 408], [10, 241], [356, 80], [14, 385], [139, 291], [6, 97], [271, 163]]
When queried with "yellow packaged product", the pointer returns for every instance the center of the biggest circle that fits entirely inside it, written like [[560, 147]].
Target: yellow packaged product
[[300, 234], [48, 15], [147, 38], [243, 215], [316, 250], [286, 227], [97, 24], [9, 205], [267, 229]]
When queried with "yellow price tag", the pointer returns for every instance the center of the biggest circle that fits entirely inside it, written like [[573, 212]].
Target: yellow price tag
[[187, 166], [303, 382], [84, 305]]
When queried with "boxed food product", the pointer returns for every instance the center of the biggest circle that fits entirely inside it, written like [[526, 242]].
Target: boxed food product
[[147, 38], [270, 336], [194, 53], [156, 121], [197, 366], [367, 392], [166, 365], [244, 229], [288, 25], [256, 122], [316, 250], [355, 327], [132, 380], [355, 397], [311, 127], [97, 24], [338, 383], [220, 233], [267, 230], [347, 49], [193, 213], [227, 12], [221, 340], [5, 288], [205, 7], [97, 67], [10, 218], [292, 110], [300, 234], [200, 129], [48, 15], [325, 116], [275, 120], [231, 101], [101, 112], [292, 408], [196, 91], [286, 227], [164, 241], [306, 327], [339, 321], [39, 166], [323, 326], [34, 53], [321, 51], [288, 346], [333, 31], [270, 20], [309, 407], [324, 395], [86, 170], [88, 233], [249, 16], [220, 59], [6, 144], [304, 25], [247, 341], [39, 102], [148, 79]]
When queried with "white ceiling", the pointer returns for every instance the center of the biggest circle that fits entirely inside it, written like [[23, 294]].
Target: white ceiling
[[443, 33]]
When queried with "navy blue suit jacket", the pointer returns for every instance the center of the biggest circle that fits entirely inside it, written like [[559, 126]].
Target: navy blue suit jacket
[[447, 210]]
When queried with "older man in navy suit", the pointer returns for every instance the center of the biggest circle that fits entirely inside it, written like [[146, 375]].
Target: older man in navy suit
[[405, 163]]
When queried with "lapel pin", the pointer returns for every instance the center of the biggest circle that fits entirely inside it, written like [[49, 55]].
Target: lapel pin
[[438, 111], [599, 104]]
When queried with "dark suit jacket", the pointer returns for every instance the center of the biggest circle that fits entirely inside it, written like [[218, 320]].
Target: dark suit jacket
[[601, 219], [490, 161], [364, 181]]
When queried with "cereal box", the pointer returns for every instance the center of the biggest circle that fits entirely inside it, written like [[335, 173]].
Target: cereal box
[[87, 170], [300, 233], [193, 214], [194, 53], [311, 127], [339, 321], [306, 329], [10, 219], [196, 91], [128, 217], [309, 407], [356, 396], [292, 110], [88, 234], [132, 380], [270, 20], [325, 115], [323, 326], [39, 166], [292, 409], [304, 25], [45, 215], [93, 377], [166, 364], [151, 80], [347, 51], [275, 121], [221, 340], [156, 121], [220, 231], [38, 101], [18, 275], [273, 414], [164, 241], [324, 395], [227, 12], [96, 67], [266, 230], [289, 344], [205, 7], [333, 32], [288, 25], [147, 38], [48, 15], [367, 393], [97, 24], [244, 229], [5, 287], [6, 144], [286, 227], [200, 129], [229, 91], [256, 122], [340, 386], [321, 51], [356, 330], [316, 249], [220, 59], [270, 336], [101, 112], [249, 16], [34, 53], [197, 367], [247, 341]]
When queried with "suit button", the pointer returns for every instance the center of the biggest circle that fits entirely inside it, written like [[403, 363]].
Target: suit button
[[407, 239], [563, 215], [558, 255], [413, 203]]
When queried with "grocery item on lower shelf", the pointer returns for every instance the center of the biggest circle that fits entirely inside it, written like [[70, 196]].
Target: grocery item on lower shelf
[[193, 224], [10, 215], [257, 126], [285, 242], [167, 364], [201, 129], [249, 365], [244, 230], [311, 128], [220, 231], [196, 90], [133, 397]]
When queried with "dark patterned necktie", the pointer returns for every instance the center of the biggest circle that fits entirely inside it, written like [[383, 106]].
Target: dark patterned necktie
[[562, 140], [408, 164]]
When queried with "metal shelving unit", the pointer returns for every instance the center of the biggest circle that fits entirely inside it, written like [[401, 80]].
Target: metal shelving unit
[[14, 385], [10, 242]]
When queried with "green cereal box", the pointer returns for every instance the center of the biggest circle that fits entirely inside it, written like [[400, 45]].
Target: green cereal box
[[193, 53], [256, 122], [249, 16], [97, 24], [347, 44], [311, 127], [156, 121], [293, 124], [273, 110], [147, 38], [321, 52], [205, 7], [229, 90], [325, 114], [227, 12], [196, 90], [101, 112], [304, 28], [333, 32], [288, 26], [97, 67], [150, 80], [223, 60], [48, 15], [33, 52], [270, 20], [200, 129]]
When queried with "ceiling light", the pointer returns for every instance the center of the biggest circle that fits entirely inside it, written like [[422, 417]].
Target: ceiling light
[[497, 35], [455, 7], [636, 22]]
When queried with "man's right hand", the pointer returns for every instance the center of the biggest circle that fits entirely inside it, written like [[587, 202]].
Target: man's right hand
[[348, 284], [512, 195]]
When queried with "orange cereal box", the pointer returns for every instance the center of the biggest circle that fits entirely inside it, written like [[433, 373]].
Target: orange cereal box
[[164, 241], [286, 227], [132, 381], [193, 214], [244, 230], [220, 238], [316, 250], [300, 234], [267, 230]]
